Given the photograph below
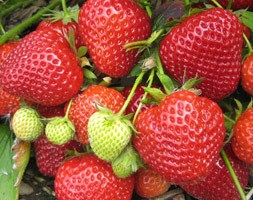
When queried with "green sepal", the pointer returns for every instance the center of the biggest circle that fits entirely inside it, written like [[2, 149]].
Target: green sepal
[[238, 110], [56, 15], [82, 51], [156, 94], [246, 17], [89, 74], [191, 83], [167, 82]]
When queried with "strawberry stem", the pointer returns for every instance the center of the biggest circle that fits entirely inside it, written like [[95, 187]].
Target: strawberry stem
[[150, 81], [233, 174], [217, 4], [68, 109], [64, 7], [248, 44], [26, 23], [144, 43], [131, 94]]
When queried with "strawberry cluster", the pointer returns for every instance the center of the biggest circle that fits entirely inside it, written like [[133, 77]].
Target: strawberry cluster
[[133, 97]]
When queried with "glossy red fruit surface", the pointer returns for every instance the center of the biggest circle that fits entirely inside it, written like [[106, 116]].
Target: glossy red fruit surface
[[242, 141], [43, 69], [90, 178], [106, 26], [219, 184], [182, 137], [207, 45]]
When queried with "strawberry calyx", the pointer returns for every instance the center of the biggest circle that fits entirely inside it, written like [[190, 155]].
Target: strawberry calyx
[[67, 15]]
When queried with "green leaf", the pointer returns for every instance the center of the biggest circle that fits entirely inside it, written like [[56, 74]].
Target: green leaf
[[82, 51], [156, 94], [11, 171], [167, 82], [89, 74], [246, 17]]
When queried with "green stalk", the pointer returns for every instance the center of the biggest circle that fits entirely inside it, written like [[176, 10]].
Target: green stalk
[[26, 23], [68, 109], [159, 62], [64, 7], [150, 81], [131, 94], [233, 175], [187, 2], [248, 44], [229, 4], [217, 4], [229, 119], [19, 4]]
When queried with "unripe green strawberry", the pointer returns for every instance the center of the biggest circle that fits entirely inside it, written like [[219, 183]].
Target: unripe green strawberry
[[59, 130], [126, 163], [26, 124], [108, 134]]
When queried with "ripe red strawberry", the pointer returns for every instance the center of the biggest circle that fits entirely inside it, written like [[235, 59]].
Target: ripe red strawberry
[[50, 156], [242, 142], [106, 26], [209, 45], [135, 101], [218, 184], [9, 104], [246, 75], [42, 68], [5, 49], [88, 177], [182, 137], [84, 105], [236, 4], [52, 111], [149, 184]]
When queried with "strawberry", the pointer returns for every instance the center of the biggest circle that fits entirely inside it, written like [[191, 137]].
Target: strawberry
[[242, 137], [52, 111], [88, 177], [126, 163], [26, 124], [59, 130], [108, 134], [50, 156], [42, 68], [207, 45], [106, 26], [149, 184], [236, 4], [84, 105], [9, 104], [182, 137], [218, 184], [246, 75], [5, 50]]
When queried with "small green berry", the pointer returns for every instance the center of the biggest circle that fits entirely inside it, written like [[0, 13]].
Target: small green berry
[[26, 124], [126, 163], [59, 130], [108, 134]]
